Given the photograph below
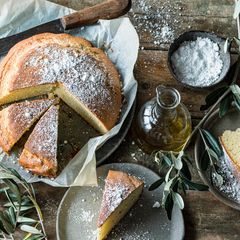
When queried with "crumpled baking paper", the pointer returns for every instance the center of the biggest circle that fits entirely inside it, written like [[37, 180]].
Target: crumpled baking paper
[[119, 40]]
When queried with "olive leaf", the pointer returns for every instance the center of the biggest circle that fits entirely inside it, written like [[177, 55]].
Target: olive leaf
[[204, 161], [185, 170], [178, 200], [213, 142], [156, 184], [213, 97], [195, 186], [169, 205], [21, 199], [225, 105], [30, 229]]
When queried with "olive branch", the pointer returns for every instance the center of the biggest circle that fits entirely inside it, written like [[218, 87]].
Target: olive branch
[[20, 202]]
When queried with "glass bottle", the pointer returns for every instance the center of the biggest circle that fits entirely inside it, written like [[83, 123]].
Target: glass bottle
[[163, 123]]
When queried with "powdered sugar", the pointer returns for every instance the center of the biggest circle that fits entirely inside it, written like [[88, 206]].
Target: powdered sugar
[[231, 184], [159, 20], [43, 139], [197, 63], [80, 71]]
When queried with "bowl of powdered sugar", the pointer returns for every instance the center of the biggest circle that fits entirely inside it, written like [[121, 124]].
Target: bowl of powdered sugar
[[197, 59]]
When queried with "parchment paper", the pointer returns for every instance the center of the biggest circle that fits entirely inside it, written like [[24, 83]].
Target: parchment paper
[[117, 38]]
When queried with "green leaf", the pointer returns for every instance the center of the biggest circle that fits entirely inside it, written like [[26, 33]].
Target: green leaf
[[213, 97], [185, 170], [204, 161], [6, 224], [168, 185], [169, 205], [237, 103], [183, 187], [14, 188], [214, 143], [236, 91], [30, 229], [156, 184], [195, 186], [212, 154], [167, 160], [177, 198], [236, 10], [168, 174], [22, 219], [10, 199], [177, 161], [12, 215], [225, 104]]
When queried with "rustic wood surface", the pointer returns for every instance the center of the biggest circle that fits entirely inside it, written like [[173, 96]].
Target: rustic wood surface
[[205, 217]]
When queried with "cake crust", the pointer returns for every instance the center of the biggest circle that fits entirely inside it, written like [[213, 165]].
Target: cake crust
[[40, 151], [68, 66]]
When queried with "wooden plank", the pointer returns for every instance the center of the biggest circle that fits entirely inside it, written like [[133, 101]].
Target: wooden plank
[[179, 16], [206, 218]]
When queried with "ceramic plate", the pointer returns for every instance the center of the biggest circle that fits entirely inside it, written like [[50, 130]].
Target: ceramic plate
[[79, 209], [217, 126]]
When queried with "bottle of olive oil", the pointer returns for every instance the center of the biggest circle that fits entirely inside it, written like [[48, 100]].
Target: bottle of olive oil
[[163, 123]]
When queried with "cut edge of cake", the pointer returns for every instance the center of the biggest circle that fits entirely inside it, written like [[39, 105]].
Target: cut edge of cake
[[18, 118], [231, 157], [39, 155], [120, 193]]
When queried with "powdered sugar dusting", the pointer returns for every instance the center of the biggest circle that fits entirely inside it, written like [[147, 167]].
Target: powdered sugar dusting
[[161, 21], [43, 139], [24, 113], [198, 63], [114, 193], [80, 72], [231, 184]]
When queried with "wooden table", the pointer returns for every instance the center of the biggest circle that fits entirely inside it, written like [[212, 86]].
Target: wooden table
[[205, 217]]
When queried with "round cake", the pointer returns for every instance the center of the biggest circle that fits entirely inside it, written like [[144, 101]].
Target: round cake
[[68, 66]]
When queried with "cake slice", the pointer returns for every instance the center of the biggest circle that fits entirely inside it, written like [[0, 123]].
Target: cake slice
[[40, 151], [230, 140], [120, 194], [17, 118]]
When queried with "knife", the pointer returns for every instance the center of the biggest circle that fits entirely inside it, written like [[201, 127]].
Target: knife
[[107, 10]]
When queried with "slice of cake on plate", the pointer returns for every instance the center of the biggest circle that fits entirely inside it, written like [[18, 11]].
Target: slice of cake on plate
[[120, 194], [18, 118], [230, 140], [40, 151]]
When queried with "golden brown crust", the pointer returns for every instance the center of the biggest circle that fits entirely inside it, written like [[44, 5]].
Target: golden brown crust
[[17, 118], [38, 165], [16, 75], [118, 186]]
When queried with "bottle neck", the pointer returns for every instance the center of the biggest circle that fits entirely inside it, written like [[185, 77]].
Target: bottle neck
[[167, 101]]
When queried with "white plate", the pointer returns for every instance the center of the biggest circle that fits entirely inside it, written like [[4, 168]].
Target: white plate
[[79, 209]]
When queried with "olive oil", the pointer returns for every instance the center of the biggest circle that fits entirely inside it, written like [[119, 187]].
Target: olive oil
[[163, 123]]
